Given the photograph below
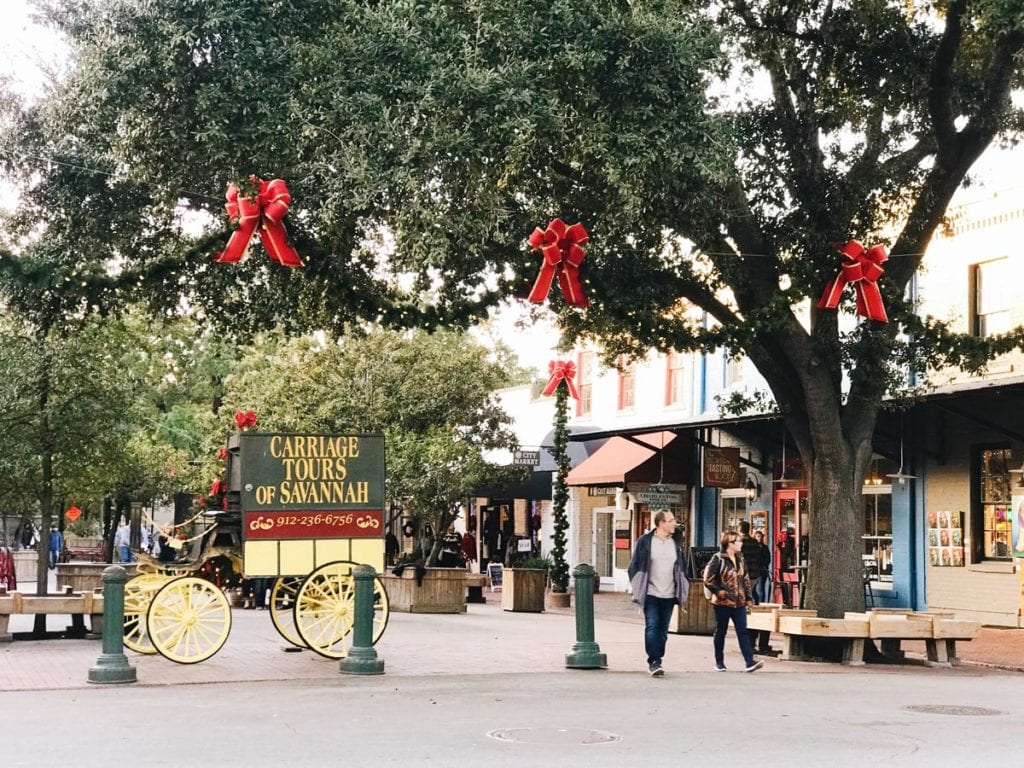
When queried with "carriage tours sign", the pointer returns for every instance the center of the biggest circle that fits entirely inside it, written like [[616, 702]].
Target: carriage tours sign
[[312, 486]]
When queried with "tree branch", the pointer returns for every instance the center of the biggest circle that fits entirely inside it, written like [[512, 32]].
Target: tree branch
[[940, 84]]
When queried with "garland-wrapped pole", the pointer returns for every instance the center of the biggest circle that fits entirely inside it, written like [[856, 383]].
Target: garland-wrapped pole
[[559, 566]]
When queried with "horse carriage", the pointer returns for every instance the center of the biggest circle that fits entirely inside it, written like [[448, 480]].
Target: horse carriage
[[303, 510]]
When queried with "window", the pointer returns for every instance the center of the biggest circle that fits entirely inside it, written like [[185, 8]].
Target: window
[[677, 381], [991, 518], [877, 532], [733, 368], [586, 383], [627, 384], [990, 304], [734, 510]]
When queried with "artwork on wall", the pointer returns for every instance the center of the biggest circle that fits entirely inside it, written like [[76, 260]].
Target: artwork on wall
[[945, 539]]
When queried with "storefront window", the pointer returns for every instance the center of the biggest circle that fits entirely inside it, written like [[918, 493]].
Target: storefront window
[[734, 511], [993, 511], [877, 535]]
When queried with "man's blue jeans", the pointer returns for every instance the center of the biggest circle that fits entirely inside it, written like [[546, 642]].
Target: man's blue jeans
[[739, 622], [657, 615]]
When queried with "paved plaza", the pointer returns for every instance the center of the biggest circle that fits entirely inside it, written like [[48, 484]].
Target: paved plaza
[[489, 687]]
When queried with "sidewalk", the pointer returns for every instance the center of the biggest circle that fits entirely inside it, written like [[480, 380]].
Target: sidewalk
[[999, 647], [484, 641]]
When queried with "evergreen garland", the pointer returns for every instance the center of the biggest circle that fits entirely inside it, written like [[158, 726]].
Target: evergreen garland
[[559, 567]]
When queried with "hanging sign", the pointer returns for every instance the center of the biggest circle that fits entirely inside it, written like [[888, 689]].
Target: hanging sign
[[721, 467], [658, 496]]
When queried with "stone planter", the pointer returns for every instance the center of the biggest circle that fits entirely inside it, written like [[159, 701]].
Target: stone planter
[[522, 589], [442, 590]]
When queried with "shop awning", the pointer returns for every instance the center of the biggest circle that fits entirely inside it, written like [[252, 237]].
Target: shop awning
[[637, 459]]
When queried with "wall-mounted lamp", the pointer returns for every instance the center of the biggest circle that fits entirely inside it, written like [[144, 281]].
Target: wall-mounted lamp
[[753, 488]]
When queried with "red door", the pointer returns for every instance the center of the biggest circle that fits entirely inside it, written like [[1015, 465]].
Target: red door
[[790, 518]]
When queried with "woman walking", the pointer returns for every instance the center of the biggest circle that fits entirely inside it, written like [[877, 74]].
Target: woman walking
[[726, 578]]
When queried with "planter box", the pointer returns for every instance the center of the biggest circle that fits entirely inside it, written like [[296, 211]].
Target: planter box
[[26, 563], [443, 591], [523, 589], [86, 577], [699, 618]]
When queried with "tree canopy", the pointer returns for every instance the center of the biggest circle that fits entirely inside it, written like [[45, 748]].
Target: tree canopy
[[715, 151], [431, 395]]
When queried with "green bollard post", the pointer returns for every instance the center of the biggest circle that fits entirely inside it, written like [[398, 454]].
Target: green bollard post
[[362, 658], [112, 666], [586, 654]]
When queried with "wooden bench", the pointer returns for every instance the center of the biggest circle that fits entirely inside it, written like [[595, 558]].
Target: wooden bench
[[939, 631], [75, 604]]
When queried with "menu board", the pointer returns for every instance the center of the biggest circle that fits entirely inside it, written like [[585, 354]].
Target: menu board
[[945, 539]]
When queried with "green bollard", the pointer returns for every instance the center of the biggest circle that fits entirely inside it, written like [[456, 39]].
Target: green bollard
[[586, 654], [112, 666], [362, 658]]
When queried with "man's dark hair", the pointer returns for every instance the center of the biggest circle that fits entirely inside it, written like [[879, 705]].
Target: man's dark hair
[[745, 528]]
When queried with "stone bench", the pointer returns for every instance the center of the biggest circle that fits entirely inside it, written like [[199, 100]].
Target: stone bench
[[939, 631], [77, 605]]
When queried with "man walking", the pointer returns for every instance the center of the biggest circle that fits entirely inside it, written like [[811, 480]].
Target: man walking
[[757, 571], [658, 581], [56, 545]]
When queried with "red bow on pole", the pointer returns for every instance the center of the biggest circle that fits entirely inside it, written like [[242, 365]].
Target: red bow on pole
[[559, 371], [245, 419], [217, 487], [563, 255], [861, 267], [265, 211]]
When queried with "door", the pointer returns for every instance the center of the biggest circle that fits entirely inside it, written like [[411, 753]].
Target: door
[[793, 522], [603, 544]]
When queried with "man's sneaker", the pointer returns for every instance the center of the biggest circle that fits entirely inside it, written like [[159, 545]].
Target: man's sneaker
[[719, 667], [656, 670], [754, 667]]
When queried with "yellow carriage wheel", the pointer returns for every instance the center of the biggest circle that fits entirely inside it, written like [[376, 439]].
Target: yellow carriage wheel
[[138, 593], [282, 608], [325, 608], [189, 620]]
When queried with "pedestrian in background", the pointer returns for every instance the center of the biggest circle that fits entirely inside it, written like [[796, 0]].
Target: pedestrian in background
[[56, 545], [122, 543], [658, 581], [727, 580], [753, 560]]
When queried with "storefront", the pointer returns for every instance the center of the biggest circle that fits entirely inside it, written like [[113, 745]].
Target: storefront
[[615, 492]]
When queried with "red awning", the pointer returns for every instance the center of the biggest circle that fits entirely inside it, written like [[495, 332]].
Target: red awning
[[622, 460]]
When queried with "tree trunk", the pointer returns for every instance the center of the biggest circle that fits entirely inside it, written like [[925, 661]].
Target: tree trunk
[[834, 577]]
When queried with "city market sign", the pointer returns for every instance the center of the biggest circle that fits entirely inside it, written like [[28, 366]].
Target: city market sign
[[526, 458]]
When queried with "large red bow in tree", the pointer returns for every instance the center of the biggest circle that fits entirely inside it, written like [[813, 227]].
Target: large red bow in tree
[[559, 371], [218, 487], [862, 267], [245, 419], [265, 210], [563, 255]]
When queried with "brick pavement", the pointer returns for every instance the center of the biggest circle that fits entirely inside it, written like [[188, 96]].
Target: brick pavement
[[485, 640]]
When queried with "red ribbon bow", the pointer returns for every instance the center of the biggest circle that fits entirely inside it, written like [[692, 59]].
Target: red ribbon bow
[[563, 255], [222, 453], [559, 371], [861, 267], [245, 419], [265, 211], [218, 487]]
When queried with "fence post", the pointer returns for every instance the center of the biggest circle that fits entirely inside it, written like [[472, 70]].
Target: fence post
[[586, 654], [362, 658], [112, 666]]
